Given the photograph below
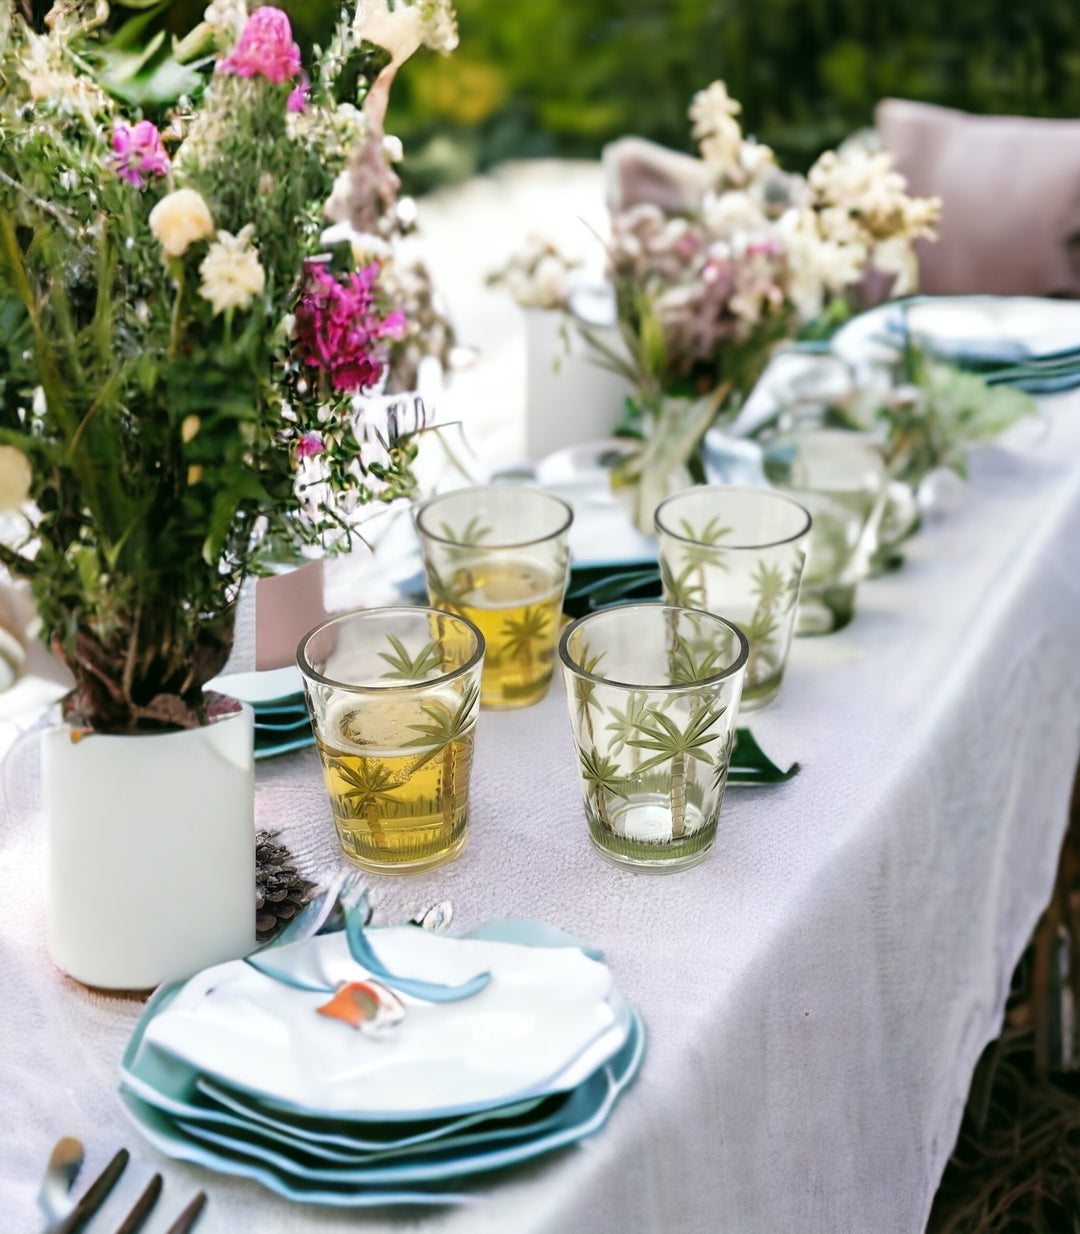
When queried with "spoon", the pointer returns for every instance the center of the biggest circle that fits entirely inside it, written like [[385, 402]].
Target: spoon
[[63, 1167]]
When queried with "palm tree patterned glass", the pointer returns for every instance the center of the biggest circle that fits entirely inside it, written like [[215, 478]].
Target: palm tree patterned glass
[[738, 552], [841, 478], [498, 556], [653, 692], [393, 695]]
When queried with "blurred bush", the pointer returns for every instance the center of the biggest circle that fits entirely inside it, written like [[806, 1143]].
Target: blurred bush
[[546, 77]]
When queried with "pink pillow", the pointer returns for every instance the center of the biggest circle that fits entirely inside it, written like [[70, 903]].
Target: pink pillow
[[1010, 185]]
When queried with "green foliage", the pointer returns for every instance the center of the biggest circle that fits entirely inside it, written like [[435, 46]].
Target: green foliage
[[548, 77]]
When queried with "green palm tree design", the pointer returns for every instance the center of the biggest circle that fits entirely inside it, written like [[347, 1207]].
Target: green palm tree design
[[522, 632], [448, 594], [627, 723], [404, 667], [684, 667], [682, 588], [449, 727], [769, 585], [675, 745], [466, 540], [585, 691], [760, 631], [712, 533], [371, 783], [794, 579], [602, 776]]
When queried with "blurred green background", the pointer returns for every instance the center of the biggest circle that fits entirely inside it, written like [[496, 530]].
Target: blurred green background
[[562, 77]]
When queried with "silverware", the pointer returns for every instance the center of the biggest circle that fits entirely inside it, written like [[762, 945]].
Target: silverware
[[135, 1219], [65, 1162], [96, 1195], [189, 1216]]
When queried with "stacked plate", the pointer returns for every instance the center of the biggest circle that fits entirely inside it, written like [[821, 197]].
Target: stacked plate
[[1032, 344], [527, 1050], [282, 722]]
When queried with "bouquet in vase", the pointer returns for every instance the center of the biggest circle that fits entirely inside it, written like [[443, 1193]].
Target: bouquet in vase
[[204, 308], [739, 256]]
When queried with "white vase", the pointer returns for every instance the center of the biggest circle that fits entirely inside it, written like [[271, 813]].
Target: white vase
[[570, 398], [151, 851]]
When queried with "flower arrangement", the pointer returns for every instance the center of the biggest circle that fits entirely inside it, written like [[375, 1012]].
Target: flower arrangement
[[191, 357], [739, 256]]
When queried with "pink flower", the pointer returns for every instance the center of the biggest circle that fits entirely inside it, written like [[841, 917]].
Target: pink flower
[[338, 327], [265, 48], [138, 152], [309, 444], [298, 99]]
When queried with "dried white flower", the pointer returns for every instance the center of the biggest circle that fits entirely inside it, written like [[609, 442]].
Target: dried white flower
[[227, 18], [716, 130], [15, 478]]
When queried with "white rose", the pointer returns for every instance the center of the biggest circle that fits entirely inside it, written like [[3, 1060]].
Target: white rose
[[180, 219], [15, 478]]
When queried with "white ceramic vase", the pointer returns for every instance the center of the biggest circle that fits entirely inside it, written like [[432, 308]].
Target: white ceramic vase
[[151, 851]]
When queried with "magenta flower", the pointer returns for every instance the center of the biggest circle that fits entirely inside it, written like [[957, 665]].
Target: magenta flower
[[298, 99], [138, 152], [339, 330], [310, 443], [265, 48]]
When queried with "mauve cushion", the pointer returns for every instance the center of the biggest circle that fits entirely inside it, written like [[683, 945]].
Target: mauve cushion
[[1011, 192]]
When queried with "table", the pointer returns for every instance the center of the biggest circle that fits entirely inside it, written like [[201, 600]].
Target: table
[[816, 994]]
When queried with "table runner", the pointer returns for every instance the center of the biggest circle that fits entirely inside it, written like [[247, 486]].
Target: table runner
[[816, 994]]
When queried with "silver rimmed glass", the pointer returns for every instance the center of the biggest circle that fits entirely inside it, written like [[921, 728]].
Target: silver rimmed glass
[[498, 556], [653, 692], [738, 552], [393, 695]]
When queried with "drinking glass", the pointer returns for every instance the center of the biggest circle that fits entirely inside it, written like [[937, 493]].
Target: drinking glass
[[393, 695], [738, 552], [497, 555], [841, 478], [653, 692]]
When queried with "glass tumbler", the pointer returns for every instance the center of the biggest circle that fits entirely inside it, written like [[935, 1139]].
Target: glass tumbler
[[497, 555], [738, 552], [840, 477], [393, 695], [653, 692]]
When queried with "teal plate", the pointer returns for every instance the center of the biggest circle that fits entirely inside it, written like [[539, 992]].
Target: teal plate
[[272, 748], [586, 1111]]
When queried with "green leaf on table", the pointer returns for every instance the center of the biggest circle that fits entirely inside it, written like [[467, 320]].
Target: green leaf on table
[[751, 765]]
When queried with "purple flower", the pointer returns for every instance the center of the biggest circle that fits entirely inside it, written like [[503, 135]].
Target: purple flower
[[298, 99], [265, 48], [310, 443], [338, 327], [138, 152]]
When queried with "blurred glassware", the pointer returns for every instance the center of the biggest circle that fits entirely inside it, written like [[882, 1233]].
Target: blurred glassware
[[653, 692], [393, 696], [841, 478], [738, 552], [497, 555]]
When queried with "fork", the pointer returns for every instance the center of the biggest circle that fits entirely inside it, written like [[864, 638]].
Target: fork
[[83, 1212]]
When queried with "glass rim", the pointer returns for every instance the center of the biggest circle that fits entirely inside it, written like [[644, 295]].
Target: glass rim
[[310, 673], [735, 488], [422, 509], [671, 688]]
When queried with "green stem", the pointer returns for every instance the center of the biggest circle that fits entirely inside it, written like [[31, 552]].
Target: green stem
[[178, 309]]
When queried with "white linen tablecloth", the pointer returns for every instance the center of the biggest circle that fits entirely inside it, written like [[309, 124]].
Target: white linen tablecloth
[[816, 993]]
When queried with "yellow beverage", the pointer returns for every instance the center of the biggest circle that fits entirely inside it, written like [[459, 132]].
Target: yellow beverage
[[517, 607], [402, 807]]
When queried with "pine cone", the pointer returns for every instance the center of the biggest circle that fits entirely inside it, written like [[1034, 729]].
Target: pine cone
[[280, 892]]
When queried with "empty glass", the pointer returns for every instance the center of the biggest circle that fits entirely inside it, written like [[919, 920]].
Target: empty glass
[[393, 695], [840, 477], [497, 555], [738, 552], [653, 692]]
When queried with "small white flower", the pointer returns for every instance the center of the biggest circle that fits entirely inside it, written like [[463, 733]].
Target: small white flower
[[716, 130], [231, 272], [227, 18], [392, 148]]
